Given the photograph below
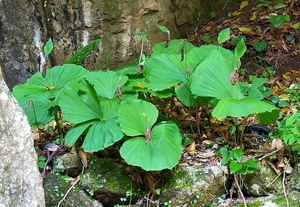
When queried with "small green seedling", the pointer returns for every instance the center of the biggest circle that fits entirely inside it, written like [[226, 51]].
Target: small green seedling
[[260, 46]]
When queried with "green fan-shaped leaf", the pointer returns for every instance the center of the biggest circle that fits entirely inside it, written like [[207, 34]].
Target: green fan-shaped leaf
[[135, 116], [75, 110], [75, 132], [241, 107], [52, 84], [110, 108], [106, 82], [183, 92], [164, 71], [102, 134], [162, 152], [212, 79], [39, 112]]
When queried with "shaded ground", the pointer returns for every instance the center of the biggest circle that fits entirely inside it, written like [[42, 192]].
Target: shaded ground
[[252, 21]]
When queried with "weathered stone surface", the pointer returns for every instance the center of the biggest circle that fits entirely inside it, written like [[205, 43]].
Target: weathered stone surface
[[262, 182], [26, 25], [110, 182], [105, 181], [20, 180], [194, 186], [57, 186], [68, 164], [294, 183]]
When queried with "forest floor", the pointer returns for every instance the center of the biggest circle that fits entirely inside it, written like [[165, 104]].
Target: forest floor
[[282, 50]]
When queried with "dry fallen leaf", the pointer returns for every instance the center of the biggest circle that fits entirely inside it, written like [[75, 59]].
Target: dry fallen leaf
[[243, 4]]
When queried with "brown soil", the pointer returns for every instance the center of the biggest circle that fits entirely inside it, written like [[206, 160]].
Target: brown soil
[[281, 55]]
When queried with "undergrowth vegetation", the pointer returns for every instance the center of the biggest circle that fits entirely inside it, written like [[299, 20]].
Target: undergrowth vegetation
[[108, 107], [105, 107]]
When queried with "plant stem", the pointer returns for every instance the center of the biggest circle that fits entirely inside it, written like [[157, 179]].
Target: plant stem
[[57, 120], [236, 134]]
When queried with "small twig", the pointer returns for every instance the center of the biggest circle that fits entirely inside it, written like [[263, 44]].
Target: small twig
[[271, 153], [72, 186], [274, 180], [240, 190], [50, 158], [284, 190]]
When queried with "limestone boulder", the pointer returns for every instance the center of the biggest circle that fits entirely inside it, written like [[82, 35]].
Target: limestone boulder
[[194, 185], [26, 25], [264, 181], [21, 183]]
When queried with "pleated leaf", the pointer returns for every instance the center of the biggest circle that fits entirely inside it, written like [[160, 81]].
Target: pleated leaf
[[241, 107], [162, 152], [75, 110], [135, 116], [38, 112], [183, 92], [106, 82], [51, 85], [212, 78], [75, 132], [101, 135], [164, 71]]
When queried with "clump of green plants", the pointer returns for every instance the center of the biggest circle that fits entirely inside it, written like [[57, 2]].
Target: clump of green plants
[[289, 131], [236, 160], [108, 107]]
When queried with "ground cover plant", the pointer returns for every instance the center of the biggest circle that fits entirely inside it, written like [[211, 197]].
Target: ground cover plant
[[133, 106]]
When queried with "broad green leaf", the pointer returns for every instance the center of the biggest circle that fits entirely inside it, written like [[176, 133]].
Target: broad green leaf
[[238, 154], [48, 47], [135, 116], [260, 46], [164, 71], [212, 79], [224, 35], [52, 84], [101, 135], [75, 110], [75, 132], [234, 166], [257, 81], [224, 150], [106, 82], [255, 93], [225, 160], [241, 107], [240, 49], [183, 92], [250, 163], [162, 152], [110, 108], [39, 112], [277, 20]]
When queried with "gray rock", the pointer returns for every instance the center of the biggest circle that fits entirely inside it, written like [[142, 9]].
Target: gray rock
[[194, 185], [110, 183], [294, 183], [103, 181], [20, 179], [69, 164], [263, 181], [56, 187], [73, 24]]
